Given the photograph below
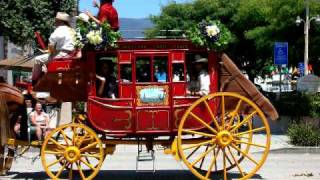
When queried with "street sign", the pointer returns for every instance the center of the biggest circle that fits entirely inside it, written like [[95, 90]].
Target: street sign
[[281, 53], [301, 68], [309, 83]]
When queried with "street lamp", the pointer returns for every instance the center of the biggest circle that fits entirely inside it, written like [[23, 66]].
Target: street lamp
[[306, 34]]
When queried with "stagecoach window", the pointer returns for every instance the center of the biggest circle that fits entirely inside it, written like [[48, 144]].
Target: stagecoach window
[[126, 73], [106, 76], [178, 72], [143, 69], [160, 65]]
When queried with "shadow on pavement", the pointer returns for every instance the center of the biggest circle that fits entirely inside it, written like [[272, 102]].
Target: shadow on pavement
[[129, 175]]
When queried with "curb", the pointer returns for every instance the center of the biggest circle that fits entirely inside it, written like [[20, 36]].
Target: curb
[[296, 150]]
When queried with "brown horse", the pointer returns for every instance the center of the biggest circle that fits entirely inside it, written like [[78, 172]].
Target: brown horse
[[11, 106]]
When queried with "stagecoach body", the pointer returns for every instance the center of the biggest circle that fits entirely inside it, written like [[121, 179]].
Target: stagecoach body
[[146, 109]]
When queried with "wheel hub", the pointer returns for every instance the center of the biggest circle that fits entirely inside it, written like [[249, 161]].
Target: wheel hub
[[72, 154], [223, 138]]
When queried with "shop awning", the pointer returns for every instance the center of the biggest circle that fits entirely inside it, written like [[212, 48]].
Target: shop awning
[[18, 63]]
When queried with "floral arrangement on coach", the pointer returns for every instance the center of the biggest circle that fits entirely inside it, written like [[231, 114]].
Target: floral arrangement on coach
[[210, 34], [91, 35]]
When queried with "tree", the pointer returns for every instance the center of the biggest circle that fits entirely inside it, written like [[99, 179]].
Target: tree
[[256, 25], [20, 18]]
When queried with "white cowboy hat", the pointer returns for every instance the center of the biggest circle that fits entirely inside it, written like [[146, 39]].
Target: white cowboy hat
[[62, 16], [199, 59]]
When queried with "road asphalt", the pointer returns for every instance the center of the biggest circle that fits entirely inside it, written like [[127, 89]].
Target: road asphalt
[[282, 163]]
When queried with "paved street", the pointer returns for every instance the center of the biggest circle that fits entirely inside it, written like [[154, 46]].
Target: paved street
[[122, 164]]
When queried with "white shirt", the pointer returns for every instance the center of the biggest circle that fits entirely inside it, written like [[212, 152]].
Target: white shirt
[[63, 38], [40, 118], [204, 80]]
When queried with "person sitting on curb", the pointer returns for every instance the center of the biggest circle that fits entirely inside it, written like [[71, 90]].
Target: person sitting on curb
[[39, 121]]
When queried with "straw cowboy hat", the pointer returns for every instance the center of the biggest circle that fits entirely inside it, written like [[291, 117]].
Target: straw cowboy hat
[[199, 59], [62, 16]]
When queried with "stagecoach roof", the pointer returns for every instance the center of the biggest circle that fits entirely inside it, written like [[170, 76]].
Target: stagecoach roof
[[140, 44], [18, 63]]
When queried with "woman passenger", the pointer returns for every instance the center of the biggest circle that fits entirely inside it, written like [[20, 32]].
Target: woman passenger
[[39, 121], [107, 83]]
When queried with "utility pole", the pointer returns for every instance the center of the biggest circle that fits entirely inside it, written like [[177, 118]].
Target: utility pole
[[307, 22]]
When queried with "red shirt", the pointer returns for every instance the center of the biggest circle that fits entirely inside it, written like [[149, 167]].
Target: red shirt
[[109, 13]]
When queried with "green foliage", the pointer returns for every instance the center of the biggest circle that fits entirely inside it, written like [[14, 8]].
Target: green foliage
[[21, 18], [304, 135], [314, 104], [297, 104], [255, 24], [112, 36], [90, 35], [200, 39]]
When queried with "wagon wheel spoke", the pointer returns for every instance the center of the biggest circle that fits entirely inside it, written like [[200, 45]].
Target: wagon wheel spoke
[[247, 118], [215, 121], [60, 170], [213, 163], [252, 144], [87, 164], [71, 171], [57, 143], [91, 155], [198, 133], [65, 137], [203, 122], [225, 177], [250, 131], [234, 113], [83, 139], [245, 154], [74, 135], [87, 156], [55, 162], [80, 171], [89, 147], [236, 162], [214, 155], [54, 152], [203, 155], [227, 157], [195, 150], [223, 110], [197, 145]]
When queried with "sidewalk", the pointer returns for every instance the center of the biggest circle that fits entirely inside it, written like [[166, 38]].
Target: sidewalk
[[280, 142]]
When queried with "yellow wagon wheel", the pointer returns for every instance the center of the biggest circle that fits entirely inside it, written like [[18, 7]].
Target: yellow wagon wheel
[[228, 133], [78, 149], [245, 147]]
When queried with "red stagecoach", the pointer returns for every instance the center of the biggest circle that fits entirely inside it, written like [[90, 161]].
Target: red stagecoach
[[213, 133]]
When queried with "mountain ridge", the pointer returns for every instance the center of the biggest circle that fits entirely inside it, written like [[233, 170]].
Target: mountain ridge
[[131, 28]]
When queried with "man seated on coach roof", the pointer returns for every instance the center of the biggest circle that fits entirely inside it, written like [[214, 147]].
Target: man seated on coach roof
[[106, 13], [61, 45]]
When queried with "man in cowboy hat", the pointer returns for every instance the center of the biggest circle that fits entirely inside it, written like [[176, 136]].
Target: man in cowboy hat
[[106, 13], [61, 44], [201, 65]]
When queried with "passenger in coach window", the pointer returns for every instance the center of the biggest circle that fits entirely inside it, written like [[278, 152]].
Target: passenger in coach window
[[106, 81], [203, 80]]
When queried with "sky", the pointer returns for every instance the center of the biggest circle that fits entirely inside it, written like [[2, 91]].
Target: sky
[[132, 8]]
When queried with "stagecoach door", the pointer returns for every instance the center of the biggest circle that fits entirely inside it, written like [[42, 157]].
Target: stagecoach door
[[152, 92]]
